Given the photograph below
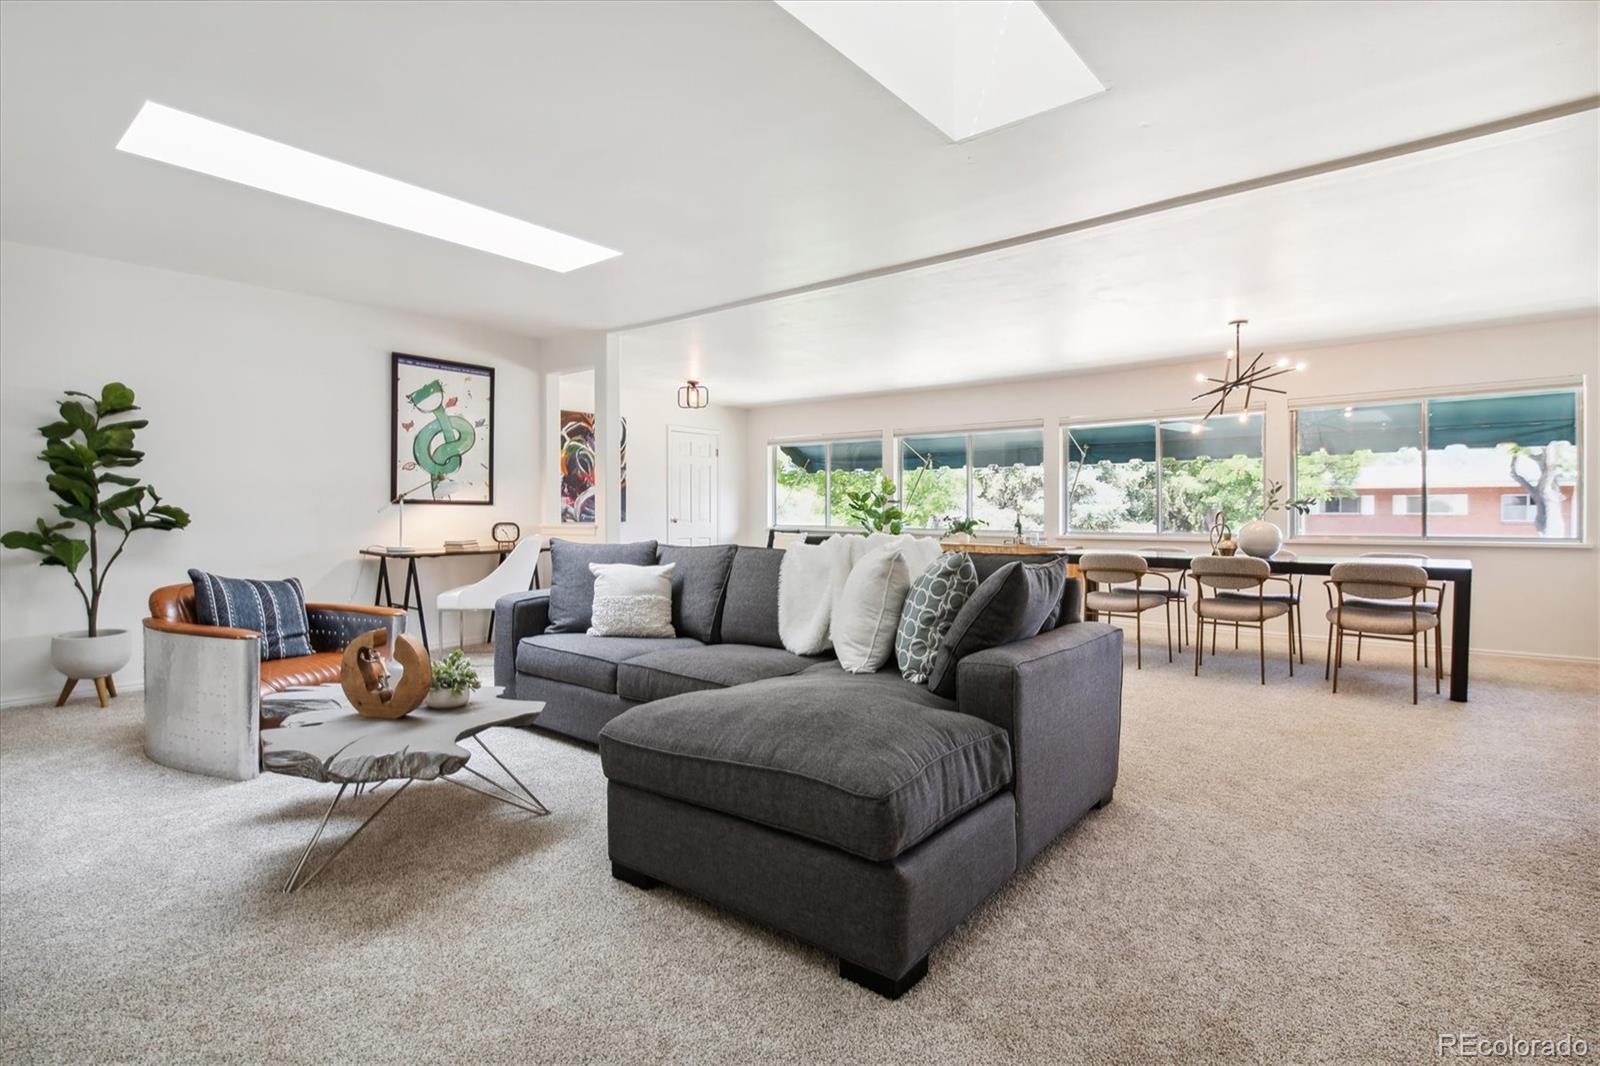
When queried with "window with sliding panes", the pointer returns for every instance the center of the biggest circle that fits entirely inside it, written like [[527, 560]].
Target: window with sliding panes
[[1165, 476], [810, 480], [993, 476], [1471, 466]]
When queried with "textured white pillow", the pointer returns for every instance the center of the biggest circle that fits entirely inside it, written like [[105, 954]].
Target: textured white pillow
[[918, 552], [867, 610], [631, 601]]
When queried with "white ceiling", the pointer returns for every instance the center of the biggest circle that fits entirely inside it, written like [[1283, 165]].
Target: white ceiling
[[1496, 228], [729, 152]]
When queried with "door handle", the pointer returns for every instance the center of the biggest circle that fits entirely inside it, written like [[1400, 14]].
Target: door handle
[[672, 519]]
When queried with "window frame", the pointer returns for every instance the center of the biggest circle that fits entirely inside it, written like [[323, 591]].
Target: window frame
[[1405, 510], [1366, 504], [1525, 507], [1578, 389], [967, 433], [826, 443], [1257, 411]]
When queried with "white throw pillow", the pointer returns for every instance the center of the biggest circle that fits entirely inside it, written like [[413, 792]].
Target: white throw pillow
[[867, 610], [631, 601], [809, 581]]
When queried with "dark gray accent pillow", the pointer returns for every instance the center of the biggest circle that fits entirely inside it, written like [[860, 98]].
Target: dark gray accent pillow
[[986, 563], [698, 581], [1011, 604], [275, 609], [572, 584], [750, 610]]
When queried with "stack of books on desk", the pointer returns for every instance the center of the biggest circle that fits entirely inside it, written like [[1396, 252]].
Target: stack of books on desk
[[461, 545]]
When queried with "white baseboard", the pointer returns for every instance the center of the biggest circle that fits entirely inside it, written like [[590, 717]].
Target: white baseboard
[[78, 695]]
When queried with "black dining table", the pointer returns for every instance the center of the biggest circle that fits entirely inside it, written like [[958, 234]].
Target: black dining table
[[1456, 571]]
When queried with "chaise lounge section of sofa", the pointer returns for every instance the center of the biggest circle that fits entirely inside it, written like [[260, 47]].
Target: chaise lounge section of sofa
[[861, 813]]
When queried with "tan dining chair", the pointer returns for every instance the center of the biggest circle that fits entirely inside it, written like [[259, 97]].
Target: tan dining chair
[[1383, 600], [1244, 579], [1294, 585], [1178, 593], [1432, 606], [1130, 569]]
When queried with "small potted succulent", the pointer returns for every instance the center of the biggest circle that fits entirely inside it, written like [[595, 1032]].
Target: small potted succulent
[[453, 682]]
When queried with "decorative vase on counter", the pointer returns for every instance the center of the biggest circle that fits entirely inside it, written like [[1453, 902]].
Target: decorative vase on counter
[[1260, 538]]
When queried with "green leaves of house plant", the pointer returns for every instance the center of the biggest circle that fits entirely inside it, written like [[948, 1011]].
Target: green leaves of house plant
[[455, 673], [83, 450], [876, 508]]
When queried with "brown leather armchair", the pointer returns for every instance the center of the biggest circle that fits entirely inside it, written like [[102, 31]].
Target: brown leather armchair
[[203, 684]]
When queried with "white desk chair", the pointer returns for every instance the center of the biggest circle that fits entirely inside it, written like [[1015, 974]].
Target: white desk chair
[[516, 574]]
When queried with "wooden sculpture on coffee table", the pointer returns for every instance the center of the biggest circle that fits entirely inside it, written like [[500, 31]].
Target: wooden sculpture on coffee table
[[364, 675]]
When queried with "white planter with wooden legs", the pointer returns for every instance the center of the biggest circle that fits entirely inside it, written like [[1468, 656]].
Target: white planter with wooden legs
[[85, 658]]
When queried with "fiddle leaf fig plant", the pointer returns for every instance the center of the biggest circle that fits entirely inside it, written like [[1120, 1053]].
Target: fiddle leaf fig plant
[[876, 509], [87, 451]]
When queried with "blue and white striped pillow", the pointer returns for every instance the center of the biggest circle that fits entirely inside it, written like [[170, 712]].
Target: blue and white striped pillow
[[275, 609]]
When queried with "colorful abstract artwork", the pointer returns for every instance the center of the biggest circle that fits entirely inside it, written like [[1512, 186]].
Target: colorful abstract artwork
[[442, 443], [578, 468]]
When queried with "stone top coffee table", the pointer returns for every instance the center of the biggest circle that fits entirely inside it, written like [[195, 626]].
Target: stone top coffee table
[[324, 739]]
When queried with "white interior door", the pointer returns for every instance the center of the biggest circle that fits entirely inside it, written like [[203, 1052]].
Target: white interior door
[[691, 486]]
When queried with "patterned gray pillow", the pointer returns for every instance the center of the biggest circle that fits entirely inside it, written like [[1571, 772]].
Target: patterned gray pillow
[[933, 603]]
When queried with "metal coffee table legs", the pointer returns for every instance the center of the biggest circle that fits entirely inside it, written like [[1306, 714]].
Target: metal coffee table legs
[[520, 797], [527, 801]]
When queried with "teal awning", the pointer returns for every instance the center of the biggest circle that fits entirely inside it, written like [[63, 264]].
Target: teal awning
[[1023, 447], [811, 457], [1372, 427], [858, 455], [1219, 438], [1112, 444], [1485, 422], [940, 452]]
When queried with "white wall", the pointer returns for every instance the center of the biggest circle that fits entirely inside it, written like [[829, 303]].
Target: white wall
[[1541, 600], [268, 422], [651, 409]]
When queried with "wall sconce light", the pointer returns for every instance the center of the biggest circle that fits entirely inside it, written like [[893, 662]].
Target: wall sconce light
[[693, 396]]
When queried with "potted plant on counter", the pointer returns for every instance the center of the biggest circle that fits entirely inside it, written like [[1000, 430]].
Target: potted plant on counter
[[453, 682], [961, 530], [87, 452]]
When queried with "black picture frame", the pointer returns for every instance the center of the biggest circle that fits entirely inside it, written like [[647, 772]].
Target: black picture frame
[[397, 420]]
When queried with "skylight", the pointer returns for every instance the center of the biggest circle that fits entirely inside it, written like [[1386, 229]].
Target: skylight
[[185, 140], [967, 66]]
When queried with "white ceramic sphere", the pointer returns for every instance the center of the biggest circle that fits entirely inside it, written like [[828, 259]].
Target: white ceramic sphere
[[1260, 538]]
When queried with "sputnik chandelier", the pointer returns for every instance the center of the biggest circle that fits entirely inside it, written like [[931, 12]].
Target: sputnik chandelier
[[1236, 376]]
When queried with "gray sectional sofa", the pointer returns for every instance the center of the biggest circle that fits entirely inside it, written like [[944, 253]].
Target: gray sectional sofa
[[859, 812]]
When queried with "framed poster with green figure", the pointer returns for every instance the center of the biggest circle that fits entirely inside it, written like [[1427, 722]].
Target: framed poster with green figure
[[441, 449]]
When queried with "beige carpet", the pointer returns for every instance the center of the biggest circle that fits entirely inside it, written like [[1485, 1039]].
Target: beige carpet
[[1284, 876]]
